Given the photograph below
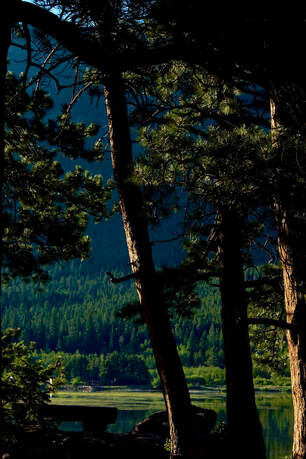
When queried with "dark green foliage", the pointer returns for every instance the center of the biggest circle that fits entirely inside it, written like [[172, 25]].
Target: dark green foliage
[[24, 380], [116, 368], [269, 344], [205, 376], [45, 210], [121, 369]]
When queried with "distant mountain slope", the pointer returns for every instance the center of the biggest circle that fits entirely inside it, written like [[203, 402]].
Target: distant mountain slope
[[75, 311]]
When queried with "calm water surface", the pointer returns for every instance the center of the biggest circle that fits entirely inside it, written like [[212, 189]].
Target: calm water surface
[[275, 411]]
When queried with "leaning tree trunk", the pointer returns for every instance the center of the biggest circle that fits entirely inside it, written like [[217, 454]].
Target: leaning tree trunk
[[292, 251], [245, 430], [168, 363]]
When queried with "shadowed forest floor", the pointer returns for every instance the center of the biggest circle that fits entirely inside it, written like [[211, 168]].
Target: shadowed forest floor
[[38, 444]]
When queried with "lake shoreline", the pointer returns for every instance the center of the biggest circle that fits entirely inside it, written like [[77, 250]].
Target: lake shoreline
[[221, 389]]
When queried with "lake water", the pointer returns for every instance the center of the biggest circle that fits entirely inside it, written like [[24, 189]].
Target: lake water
[[275, 411]]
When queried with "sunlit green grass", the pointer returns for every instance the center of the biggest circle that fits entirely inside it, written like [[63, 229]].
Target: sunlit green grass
[[129, 399], [121, 399]]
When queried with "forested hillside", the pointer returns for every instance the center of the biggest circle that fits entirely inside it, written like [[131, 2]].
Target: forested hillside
[[77, 312]]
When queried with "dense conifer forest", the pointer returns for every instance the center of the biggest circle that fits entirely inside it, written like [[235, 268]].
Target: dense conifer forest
[[74, 317], [77, 311]]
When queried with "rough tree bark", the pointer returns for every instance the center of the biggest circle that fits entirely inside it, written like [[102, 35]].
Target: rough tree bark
[[243, 421], [168, 363], [291, 248], [296, 314]]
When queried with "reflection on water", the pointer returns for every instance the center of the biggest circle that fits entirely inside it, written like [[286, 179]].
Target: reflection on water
[[277, 425], [275, 411]]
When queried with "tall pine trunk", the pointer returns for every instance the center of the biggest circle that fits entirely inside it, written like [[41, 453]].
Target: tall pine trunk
[[296, 314], [244, 426], [292, 252], [168, 363]]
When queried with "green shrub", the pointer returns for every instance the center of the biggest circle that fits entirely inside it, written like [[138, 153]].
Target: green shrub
[[25, 383], [194, 381], [121, 369], [76, 381], [261, 372], [258, 381], [281, 381], [206, 376]]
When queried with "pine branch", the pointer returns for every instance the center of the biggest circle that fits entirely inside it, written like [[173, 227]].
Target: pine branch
[[264, 281], [274, 322], [259, 282]]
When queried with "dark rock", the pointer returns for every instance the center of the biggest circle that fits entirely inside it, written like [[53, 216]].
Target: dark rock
[[203, 421]]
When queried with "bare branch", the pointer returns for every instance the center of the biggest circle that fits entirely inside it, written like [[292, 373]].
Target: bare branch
[[43, 68], [39, 76], [117, 280], [29, 52], [264, 247], [77, 96], [72, 102], [174, 238], [17, 45]]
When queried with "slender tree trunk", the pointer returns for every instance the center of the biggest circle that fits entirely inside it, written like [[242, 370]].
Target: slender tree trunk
[[292, 251], [243, 421], [168, 363]]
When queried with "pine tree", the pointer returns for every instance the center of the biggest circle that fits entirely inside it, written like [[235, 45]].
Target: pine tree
[[45, 211], [216, 164]]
